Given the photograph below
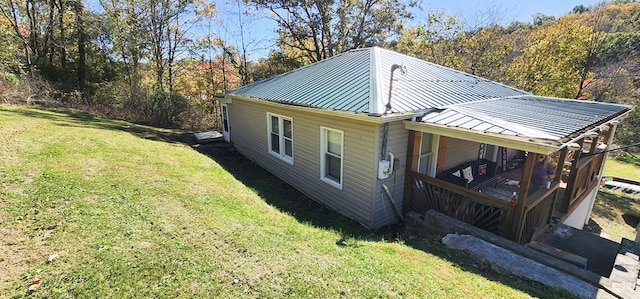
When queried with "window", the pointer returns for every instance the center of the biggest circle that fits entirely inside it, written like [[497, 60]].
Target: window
[[428, 152], [331, 154], [281, 137]]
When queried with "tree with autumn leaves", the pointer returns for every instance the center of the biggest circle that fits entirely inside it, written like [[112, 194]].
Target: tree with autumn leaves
[[140, 59]]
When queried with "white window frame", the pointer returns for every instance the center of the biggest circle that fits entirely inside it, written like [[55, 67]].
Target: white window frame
[[281, 138], [324, 151], [431, 156]]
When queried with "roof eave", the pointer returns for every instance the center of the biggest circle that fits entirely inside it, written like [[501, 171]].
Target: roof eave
[[366, 117], [535, 145], [515, 142]]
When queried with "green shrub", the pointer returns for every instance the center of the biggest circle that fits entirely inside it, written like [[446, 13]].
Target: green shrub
[[10, 78]]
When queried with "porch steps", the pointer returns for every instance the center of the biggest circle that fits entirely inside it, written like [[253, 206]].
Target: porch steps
[[568, 257], [624, 276], [624, 284]]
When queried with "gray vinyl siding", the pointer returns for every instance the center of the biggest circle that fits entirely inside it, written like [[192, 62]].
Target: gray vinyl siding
[[460, 151], [249, 135], [384, 213]]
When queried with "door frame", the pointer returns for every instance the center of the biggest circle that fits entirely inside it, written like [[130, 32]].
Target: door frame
[[226, 130]]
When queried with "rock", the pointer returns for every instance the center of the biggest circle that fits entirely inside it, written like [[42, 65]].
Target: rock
[[35, 284]]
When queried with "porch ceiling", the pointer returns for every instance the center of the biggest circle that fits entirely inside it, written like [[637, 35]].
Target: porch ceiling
[[531, 123]]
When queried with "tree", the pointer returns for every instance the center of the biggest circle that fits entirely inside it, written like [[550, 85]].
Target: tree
[[433, 40], [484, 52], [540, 19], [165, 21], [10, 60], [552, 62], [128, 39], [78, 8], [324, 28], [578, 9], [275, 64]]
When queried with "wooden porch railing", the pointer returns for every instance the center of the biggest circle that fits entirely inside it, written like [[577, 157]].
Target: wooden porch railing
[[538, 213], [423, 193], [583, 177]]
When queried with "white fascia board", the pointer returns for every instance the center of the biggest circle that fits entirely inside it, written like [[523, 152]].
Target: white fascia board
[[336, 113], [520, 143]]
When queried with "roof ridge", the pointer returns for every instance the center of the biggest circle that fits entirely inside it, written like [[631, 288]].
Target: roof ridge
[[452, 69], [302, 68]]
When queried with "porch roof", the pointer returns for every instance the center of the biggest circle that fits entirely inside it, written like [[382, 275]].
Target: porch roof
[[527, 122]]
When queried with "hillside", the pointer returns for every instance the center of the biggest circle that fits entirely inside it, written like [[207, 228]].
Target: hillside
[[99, 208]]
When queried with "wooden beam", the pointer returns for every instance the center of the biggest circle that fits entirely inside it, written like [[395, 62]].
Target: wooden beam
[[521, 206], [413, 150], [571, 184], [560, 166], [442, 153]]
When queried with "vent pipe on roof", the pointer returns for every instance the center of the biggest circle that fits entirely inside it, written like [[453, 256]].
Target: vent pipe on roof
[[394, 67]]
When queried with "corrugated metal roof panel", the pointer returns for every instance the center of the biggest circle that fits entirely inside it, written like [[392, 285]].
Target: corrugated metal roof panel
[[341, 82], [527, 116], [344, 82], [360, 80]]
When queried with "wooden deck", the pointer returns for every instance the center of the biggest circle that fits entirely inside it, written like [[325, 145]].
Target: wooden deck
[[489, 207]]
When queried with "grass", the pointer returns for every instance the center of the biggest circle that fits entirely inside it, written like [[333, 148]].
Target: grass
[[615, 215], [123, 210]]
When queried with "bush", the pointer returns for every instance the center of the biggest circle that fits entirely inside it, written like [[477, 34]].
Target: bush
[[626, 157], [629, 131], [9, 78], [24, 91], [158, 109]]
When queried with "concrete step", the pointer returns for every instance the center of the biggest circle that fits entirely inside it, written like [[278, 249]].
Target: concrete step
[[624, 276]]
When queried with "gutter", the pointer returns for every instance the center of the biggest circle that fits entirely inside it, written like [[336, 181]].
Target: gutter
[[371, 118]]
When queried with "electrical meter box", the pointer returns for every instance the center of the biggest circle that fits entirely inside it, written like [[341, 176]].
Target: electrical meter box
[[384, 169]]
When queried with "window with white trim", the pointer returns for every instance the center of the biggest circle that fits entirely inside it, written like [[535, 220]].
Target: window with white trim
[[280, 129], [331, 156]]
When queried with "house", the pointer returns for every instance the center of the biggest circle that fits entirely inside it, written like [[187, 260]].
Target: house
[[375, 134]]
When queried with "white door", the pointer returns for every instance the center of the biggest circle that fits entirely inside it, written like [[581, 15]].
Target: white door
[[225, 122]]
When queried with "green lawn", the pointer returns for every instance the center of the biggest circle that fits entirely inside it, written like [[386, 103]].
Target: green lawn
[[611, 208], [130, 211]]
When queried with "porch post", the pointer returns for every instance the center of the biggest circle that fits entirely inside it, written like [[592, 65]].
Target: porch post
[[560, 166], [571, 184], [521, 206], [413, 150], [413, 156]]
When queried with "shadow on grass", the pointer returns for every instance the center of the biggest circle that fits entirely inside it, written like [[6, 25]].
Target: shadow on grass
[[593, 227], [610, 205], [467, 263], [78, 119], [286, 198]]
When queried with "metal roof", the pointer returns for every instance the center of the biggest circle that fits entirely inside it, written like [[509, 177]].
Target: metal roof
[[359, 81], [526, 116]]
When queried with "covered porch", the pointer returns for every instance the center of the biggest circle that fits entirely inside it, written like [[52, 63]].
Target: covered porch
[[498, 196]]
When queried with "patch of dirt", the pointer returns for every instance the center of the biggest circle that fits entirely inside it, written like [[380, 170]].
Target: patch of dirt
[[13, 255]]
